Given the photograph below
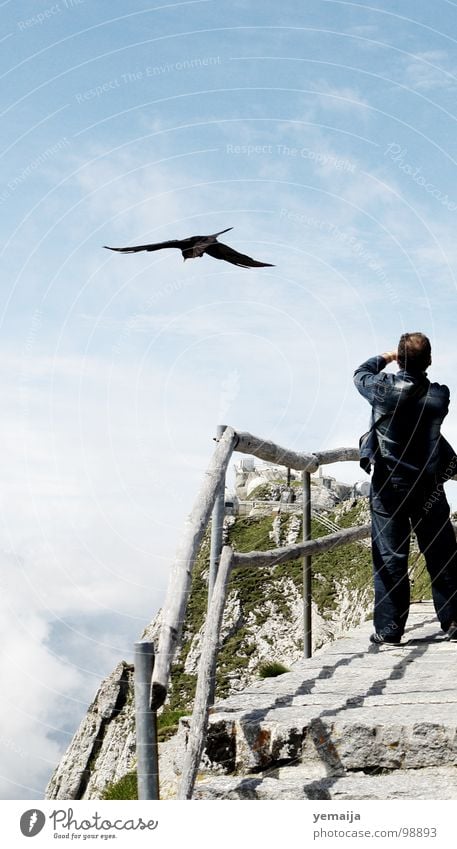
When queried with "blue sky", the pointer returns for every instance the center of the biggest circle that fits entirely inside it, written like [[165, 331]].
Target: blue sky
[[325, 136]]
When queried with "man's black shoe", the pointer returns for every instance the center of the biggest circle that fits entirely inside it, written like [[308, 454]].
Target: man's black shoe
[[451, 633], [380, 640]]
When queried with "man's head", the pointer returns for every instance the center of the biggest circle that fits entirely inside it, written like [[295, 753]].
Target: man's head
[[414, 352]]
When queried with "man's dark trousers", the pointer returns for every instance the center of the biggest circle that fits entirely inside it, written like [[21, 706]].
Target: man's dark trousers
[[396, 507]]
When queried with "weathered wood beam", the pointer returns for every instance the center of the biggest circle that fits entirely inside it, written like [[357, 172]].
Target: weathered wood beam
[[294, 552], [336, 455], [206, 675], [181, 573], [264, 449], [272, 453]]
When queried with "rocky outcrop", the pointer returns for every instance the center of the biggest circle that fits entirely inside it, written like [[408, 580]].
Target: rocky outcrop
[[103, 748]]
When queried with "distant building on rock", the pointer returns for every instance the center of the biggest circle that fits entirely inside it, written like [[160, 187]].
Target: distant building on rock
[[271, 482]]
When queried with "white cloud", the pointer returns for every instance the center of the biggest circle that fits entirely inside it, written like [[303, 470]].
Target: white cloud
[[363, 30], [338, 98], [426, 71], [37, 681], [87, 526]]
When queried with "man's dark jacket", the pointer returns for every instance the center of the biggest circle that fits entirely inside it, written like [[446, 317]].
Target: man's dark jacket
[[408, 439]]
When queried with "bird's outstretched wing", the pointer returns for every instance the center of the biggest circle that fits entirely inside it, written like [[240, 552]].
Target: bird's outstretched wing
[[221, 251], [173, 243]]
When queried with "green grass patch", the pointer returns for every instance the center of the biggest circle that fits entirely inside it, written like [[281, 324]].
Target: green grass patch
[[169, 717], [260, 493], [125, 788], [271, 669], [354, 516], [168, 722]]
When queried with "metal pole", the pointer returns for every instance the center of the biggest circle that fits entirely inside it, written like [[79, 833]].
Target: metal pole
[[146, 723], [307, 632], [217, 526]]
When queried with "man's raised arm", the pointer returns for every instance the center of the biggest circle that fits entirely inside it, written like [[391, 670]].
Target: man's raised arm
[[366, 375]]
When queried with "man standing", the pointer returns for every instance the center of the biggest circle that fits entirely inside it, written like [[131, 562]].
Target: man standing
[[410, 461]]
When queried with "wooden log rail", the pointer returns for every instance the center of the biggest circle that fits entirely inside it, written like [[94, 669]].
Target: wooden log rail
[[174, 608], [206, 675], [210, 644], [179, 584], [272, 453], [293, 552]]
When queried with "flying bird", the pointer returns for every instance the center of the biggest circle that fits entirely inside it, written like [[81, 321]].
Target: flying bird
[[197, 246]]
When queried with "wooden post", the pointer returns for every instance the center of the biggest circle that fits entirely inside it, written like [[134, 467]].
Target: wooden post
[[217, 527], [179, 584], [307, 598], [206, 676]]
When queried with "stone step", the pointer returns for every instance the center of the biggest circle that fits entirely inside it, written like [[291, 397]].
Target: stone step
[[358, 742], [431, 783], [352, 706]]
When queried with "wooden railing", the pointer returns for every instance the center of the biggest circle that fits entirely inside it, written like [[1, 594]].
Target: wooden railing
[[196, 524], [180, 579], [210, 643]]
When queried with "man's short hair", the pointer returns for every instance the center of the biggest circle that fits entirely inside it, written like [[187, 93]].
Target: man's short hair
[[414, 352]]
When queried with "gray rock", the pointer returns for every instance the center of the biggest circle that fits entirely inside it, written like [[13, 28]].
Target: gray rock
[[102, 749], [432, 783]]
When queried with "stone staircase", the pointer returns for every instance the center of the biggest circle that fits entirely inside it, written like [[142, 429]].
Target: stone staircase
[[353, 722]]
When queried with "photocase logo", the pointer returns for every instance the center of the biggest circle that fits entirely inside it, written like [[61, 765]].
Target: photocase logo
[[32, 822]]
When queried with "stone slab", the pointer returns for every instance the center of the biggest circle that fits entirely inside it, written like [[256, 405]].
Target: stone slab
[[352, 705], [412, 784]]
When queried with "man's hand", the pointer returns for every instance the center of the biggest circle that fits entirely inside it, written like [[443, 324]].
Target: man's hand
[[390, 356]]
